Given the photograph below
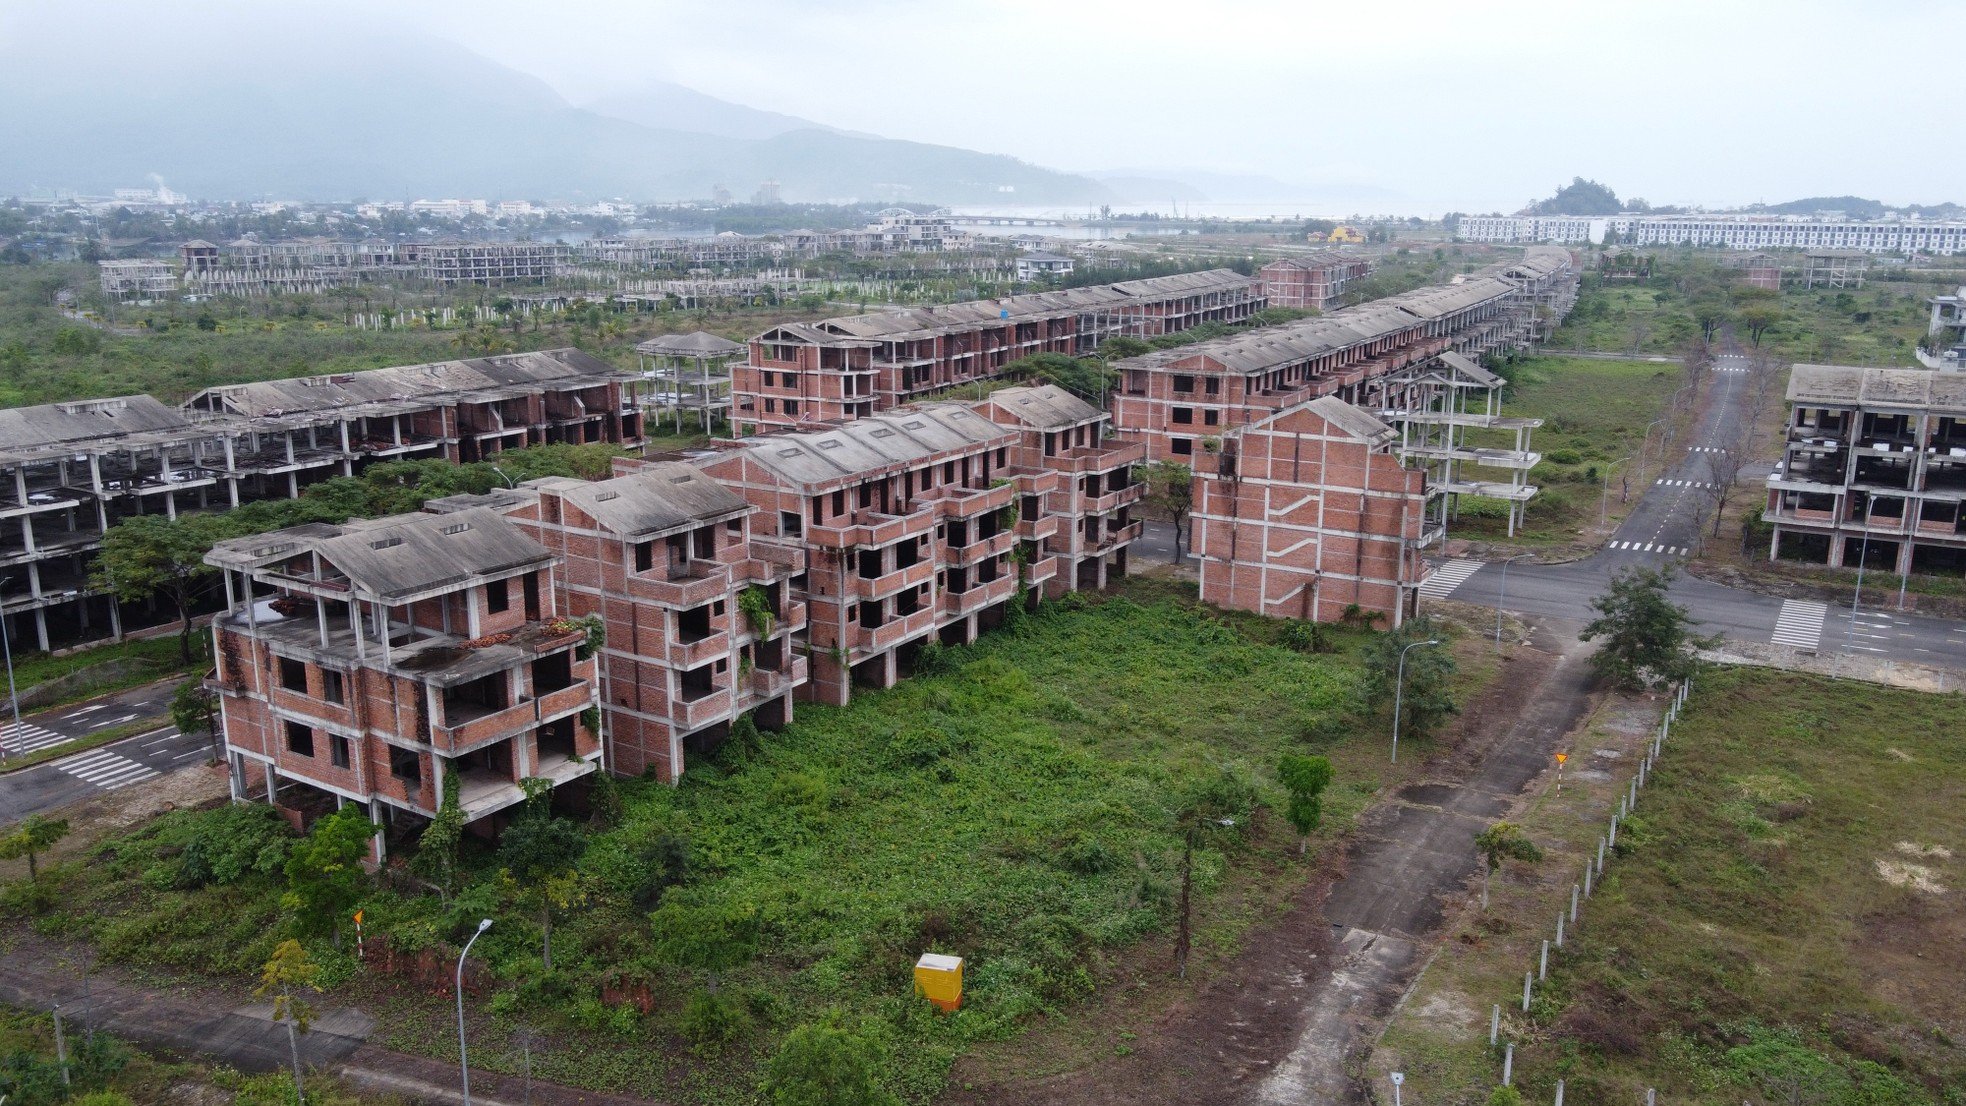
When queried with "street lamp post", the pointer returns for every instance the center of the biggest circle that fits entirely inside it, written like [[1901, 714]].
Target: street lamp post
[[13, 698], [463, 1060], [1502, 593], [1604, 497], [1399, 691]]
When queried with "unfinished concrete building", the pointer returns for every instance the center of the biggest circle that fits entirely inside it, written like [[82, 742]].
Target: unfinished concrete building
[[1308, 513], [375, 662], [689, 373], [1874, 470], [488, 262], [1834, 268], [72, 470], [136, 279], [701, 623], [860, 365], [1076, 494], [1316, 281], [905, 521]]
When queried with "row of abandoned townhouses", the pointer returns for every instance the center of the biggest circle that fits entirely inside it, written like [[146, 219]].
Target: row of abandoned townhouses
[[563, 627]]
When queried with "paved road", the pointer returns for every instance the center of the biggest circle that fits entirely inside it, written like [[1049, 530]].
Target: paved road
[[1664, 527], [68, 779]]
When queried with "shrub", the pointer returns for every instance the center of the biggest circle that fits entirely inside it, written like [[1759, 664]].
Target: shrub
[[712, 1019], [1505, 1096], [826, 1064], [1563, 457]]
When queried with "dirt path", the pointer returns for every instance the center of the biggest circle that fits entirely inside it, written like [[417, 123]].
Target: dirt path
[[1410, 856], [1307, 992]]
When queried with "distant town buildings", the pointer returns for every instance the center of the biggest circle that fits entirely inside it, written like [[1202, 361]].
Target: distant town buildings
[[1042, 266], [1736, 232]]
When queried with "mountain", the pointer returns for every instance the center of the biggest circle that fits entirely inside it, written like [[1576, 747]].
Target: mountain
[[406, 116], [1857, 207], [1579, 197], [667, 105]]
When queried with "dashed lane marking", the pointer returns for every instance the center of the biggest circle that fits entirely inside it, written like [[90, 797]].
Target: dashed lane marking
[[1442, 582]]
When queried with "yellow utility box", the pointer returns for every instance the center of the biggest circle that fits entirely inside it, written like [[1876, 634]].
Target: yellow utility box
[[939, 978]]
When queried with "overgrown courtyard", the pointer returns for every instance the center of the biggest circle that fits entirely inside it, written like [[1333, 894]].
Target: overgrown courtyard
[[1021, 803]]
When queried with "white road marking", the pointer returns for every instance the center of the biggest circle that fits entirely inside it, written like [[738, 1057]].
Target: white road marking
[[1800, 624], [105, 769], [29, 738], [1443, 580]]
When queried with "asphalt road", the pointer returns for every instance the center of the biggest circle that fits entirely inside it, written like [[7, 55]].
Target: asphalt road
[[1665, 526], [69, 779]]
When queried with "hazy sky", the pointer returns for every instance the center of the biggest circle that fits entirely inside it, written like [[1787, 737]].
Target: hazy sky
[[1474, 105]]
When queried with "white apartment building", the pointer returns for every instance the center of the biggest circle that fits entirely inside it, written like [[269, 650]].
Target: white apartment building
[[1735, 232]]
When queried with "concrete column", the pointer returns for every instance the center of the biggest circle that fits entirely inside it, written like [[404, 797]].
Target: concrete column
[[380, 849], [41, 628], [271, 789]]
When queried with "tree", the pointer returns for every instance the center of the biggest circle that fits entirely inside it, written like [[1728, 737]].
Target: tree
[[325, 877], [1171, 490], [1646, 636], [290, 967], [1758, 317], [1428, 698], [1305, 778], [1723, 470], [538, 853], [436, 849], [1212, 807], [1503, 840], [194, 708], [32, 837], [826, 1063], [149, 557]]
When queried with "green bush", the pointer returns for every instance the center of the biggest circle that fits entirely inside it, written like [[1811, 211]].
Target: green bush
[[1563, 457], [712, 1019], [827, 1064]]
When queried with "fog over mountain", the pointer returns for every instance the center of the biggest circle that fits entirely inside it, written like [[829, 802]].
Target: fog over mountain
[[413, 115]]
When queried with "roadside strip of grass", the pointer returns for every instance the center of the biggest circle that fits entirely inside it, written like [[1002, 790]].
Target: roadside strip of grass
[[86, 742], [1776, 914]]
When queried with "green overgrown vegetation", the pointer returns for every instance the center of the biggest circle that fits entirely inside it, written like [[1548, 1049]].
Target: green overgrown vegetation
[[1689, 296], [1035, 806], [1777, 926], [1594, 413]]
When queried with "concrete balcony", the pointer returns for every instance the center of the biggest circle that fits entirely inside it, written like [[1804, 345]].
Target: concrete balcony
[[915, 575], [864, 528], [1111, 501], [979, 550], [961, 603], [465, 727], [1112, 539], [692, 585], [694, 714], [765, 684], [1040, 570], [700, 651], [1038, 529], [952, 503], [480, 792], [895, 631]]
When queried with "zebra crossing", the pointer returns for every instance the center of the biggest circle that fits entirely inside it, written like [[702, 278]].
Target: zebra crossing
[[106, 769], [1651, 547], [1443, 580], [1730, 369], [29, 738], [1683, 483], [1706, 449], [1800, 624]]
